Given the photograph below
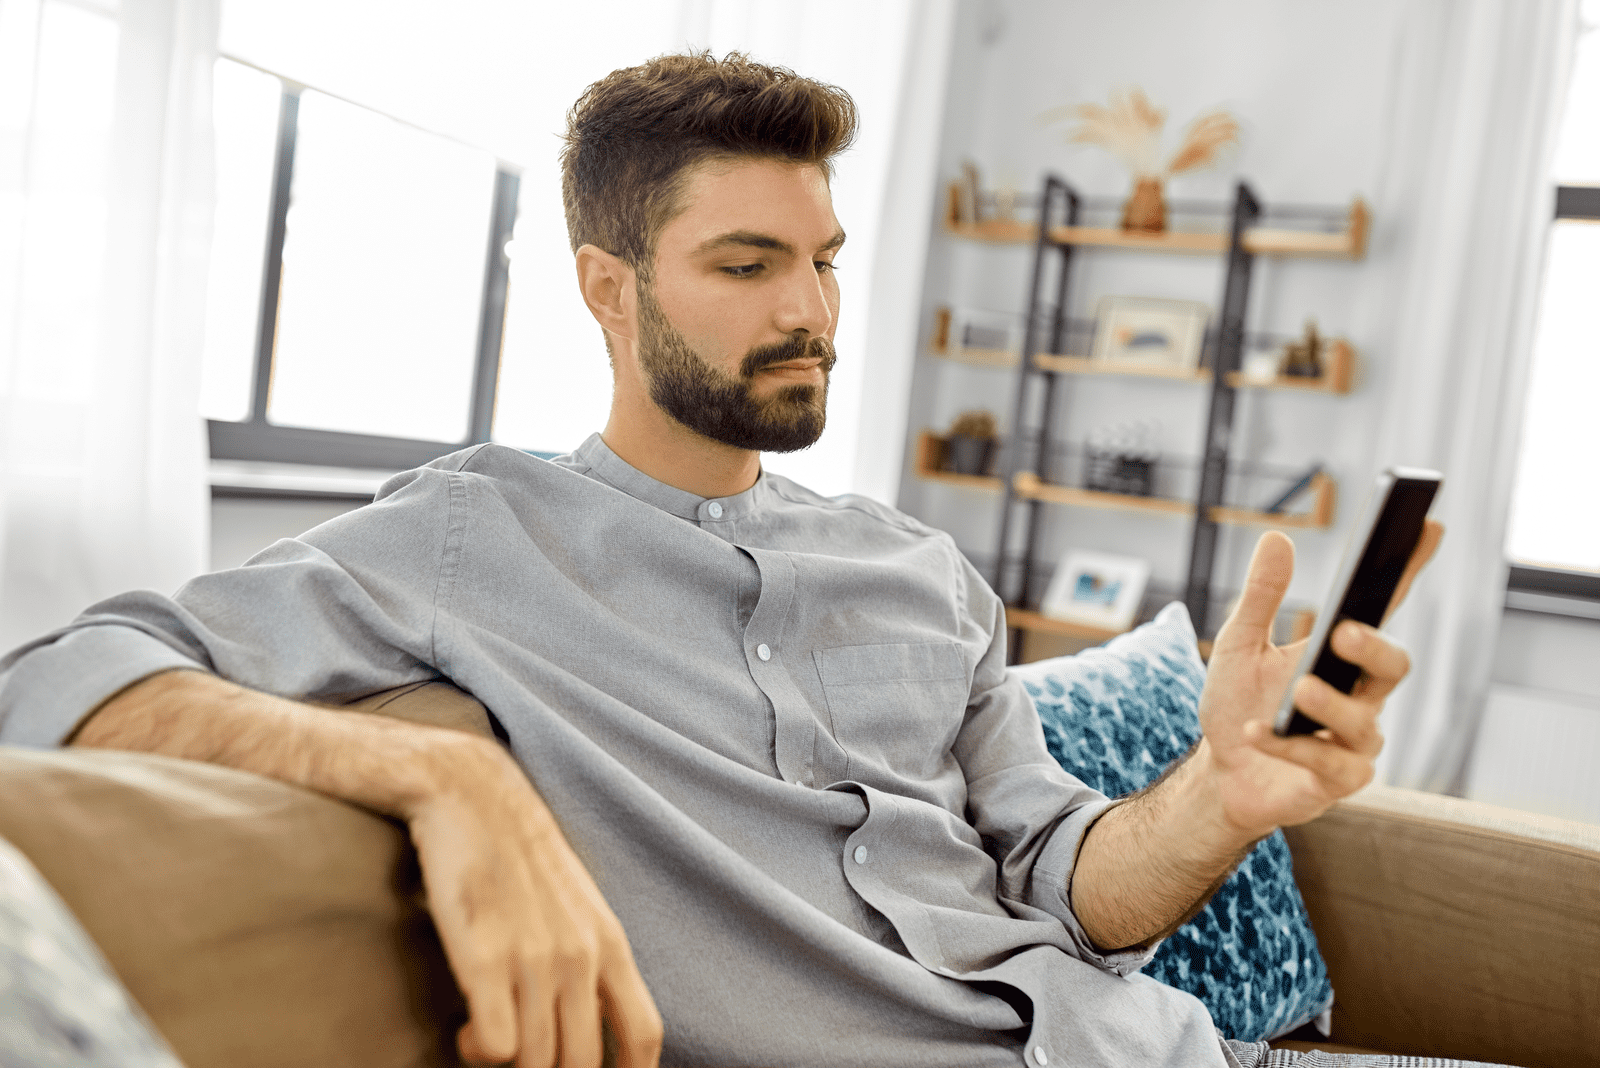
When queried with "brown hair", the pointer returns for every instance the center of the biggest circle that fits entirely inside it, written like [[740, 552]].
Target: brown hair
[[633, 135]]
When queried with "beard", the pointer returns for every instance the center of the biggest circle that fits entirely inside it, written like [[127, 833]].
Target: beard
[[724, 407]]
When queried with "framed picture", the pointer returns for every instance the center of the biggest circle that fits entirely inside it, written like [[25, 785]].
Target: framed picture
[[1097, 588], [1147, 330]]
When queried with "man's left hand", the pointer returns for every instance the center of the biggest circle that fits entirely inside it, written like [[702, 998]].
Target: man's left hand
[[1263, 781]]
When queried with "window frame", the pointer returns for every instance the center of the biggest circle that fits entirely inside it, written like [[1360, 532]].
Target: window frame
[[255, 438], [1561, 591]]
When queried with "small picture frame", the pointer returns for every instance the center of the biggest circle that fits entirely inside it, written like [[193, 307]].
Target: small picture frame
[[1097, 589], [1150, 331]]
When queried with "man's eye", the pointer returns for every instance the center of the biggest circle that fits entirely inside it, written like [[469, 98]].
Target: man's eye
[[743, 270], [824, 266]]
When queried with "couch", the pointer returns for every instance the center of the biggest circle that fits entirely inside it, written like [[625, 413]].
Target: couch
[[264, 926]]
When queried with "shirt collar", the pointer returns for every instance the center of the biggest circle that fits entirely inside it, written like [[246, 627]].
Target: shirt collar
[[613, 470]]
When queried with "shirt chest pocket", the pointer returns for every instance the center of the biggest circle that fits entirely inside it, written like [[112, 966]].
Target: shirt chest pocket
[[897, 706]]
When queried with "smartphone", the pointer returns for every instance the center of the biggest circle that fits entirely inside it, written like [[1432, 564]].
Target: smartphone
[[1374, 560]]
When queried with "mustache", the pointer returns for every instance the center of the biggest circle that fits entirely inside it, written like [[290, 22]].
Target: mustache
[[795, 348]]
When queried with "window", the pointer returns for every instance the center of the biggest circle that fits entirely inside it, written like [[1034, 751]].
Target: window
[[498, 77], [1553, 540], [358, 287]]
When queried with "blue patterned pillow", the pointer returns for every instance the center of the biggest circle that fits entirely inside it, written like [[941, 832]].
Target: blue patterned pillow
[[1115, 717]]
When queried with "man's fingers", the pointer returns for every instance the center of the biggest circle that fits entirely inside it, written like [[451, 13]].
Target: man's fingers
[[1271, 568], [1341, 771], [635, 1023], [534, 947], [1427, 545], [1354, 721], [472, 1051], [579, 1017], [540, 1043], [489, 1035], [1383, 662]]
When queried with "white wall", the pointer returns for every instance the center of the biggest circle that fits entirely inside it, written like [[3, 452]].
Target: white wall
[[242, 527], [1541, 724]]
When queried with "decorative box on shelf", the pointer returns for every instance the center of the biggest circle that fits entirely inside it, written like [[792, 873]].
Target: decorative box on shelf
[[950, 341], [931, 466]]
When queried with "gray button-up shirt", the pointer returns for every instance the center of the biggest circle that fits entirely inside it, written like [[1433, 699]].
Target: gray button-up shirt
[[776, 727]]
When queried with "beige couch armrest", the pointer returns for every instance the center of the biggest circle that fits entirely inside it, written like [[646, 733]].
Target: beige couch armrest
[[259, 925], [1456, 929]]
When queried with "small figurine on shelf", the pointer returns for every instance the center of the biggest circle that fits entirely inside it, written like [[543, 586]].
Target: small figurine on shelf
[[970, 445], [1122, 459], [1303, 358], [1130, 129], [968, 195]]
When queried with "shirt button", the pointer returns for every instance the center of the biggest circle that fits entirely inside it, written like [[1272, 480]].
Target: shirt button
[[860, 854], [715, 509], [1040, 1057], [763, 652]]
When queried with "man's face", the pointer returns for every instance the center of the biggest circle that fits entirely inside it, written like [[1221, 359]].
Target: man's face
[[736, 333]]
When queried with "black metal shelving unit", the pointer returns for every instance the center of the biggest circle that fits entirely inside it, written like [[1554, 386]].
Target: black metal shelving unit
[[1046, 331]]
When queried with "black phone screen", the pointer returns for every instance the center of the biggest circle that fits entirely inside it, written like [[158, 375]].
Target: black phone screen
[[1395, 533]]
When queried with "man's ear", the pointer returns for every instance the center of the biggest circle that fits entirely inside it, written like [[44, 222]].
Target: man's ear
[[607, 285]]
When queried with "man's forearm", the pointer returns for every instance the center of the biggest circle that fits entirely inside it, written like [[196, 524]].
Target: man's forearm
[[1150, 863], [386, 765], [523, 924]]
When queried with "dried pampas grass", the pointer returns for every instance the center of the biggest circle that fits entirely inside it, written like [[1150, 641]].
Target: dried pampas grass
[[1130, 129], [1210, 136]]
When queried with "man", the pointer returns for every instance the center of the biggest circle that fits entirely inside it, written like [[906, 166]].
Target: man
[[772, 731]]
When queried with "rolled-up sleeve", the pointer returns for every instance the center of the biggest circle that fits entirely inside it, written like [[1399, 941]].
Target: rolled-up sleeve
[[347, 608], [1032, 815], [50, 685]]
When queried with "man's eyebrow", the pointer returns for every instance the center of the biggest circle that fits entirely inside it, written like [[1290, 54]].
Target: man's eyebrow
[[751, 239]]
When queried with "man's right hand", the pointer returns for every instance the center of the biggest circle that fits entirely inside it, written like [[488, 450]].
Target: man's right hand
[[537, 952]]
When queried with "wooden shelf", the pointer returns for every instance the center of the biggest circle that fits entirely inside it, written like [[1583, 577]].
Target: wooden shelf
[[1324, 495], [1026, 619], [1029, 485], [1337, 374], [996, 231], [1003, 358], [1349, 243], [1085, 365], [1319, 517], [930, 458]]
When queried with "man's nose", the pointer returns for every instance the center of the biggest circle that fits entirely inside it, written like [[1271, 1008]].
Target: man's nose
[[805, 304]]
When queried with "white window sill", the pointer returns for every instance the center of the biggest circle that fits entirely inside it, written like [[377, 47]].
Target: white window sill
[[250, 478]]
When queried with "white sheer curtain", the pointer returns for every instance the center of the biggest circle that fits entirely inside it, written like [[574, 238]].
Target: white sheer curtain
[[892, 56], [105, 217], [1483, 94]]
